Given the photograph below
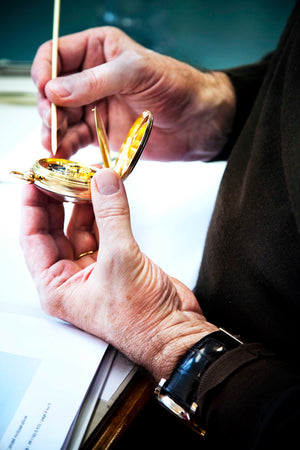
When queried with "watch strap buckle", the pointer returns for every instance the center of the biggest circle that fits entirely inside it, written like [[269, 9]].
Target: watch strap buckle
[[178, 410]]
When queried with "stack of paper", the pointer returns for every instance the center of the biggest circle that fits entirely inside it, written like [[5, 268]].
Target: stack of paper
[[46, 369]]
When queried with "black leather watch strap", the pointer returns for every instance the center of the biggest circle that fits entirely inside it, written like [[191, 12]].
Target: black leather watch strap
[[179, 391]]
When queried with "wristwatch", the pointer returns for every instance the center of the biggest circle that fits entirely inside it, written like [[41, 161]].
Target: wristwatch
[[178, 394]]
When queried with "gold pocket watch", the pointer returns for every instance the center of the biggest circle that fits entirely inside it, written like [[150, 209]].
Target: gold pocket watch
[[70, 181]]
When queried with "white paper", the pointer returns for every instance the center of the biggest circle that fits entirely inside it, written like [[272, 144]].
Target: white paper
[[83, 418], [46, 367]]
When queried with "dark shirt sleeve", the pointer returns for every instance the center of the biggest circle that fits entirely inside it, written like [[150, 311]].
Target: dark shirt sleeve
[[249, 399], [246, 81]]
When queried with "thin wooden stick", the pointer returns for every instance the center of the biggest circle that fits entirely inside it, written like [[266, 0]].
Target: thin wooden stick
[[55, 32]]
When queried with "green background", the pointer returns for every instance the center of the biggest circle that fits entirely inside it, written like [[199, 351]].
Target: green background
[[212, 34]]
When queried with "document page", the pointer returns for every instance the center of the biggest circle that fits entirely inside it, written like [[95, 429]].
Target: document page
[[46, 368]]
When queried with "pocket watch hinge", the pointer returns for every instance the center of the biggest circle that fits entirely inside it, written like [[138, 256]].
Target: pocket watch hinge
[[26, 176]]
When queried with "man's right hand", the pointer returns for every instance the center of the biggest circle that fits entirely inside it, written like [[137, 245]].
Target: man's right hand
[[193, 111]]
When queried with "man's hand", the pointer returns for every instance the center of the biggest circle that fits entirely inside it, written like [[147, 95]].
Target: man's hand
[[193, 111], [117, 293]]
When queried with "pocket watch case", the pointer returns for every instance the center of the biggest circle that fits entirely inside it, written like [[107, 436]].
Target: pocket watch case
[[70, 181]]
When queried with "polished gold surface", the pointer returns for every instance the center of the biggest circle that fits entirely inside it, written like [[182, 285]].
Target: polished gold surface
[[70, 181], [134, 145], [63, 179], [102, 139], [60, 178]]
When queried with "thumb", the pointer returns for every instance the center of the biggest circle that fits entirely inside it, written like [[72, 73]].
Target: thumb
[[93, 84], [111, 210]]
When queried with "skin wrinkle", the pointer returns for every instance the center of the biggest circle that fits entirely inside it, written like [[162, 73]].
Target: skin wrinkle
[[55, 275], [92, 81], [56, 279], [129, 335], [154, 83], [218, 137], [165, 127], [143, 316], [61, 60], [30, 231], [91, 50], [60, 68], [135, 61], [162, 349], [111, 47], [111, 212], [117, 263]]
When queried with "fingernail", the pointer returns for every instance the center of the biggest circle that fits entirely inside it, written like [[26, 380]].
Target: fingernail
[[61, 87], [107, 182]]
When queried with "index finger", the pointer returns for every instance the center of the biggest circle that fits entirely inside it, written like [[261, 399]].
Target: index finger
[[71, 52], [42, 237]]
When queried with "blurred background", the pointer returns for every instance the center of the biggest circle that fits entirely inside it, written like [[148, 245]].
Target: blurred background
[[209, 33], [206, 33]]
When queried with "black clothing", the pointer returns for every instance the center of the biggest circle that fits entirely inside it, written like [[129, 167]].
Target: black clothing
[[249, 280], [249, 277]]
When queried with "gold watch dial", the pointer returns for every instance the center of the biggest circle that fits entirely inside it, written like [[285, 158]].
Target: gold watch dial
[[62, 169], [63, 179]]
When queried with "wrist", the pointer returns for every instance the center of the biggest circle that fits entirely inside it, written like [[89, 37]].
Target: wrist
[[174, 341], [180, 393], [214, 113]]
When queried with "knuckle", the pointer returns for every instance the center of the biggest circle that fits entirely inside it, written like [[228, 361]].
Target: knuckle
[[112, 212], [91, 81], [112, 206], [51, 285]]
